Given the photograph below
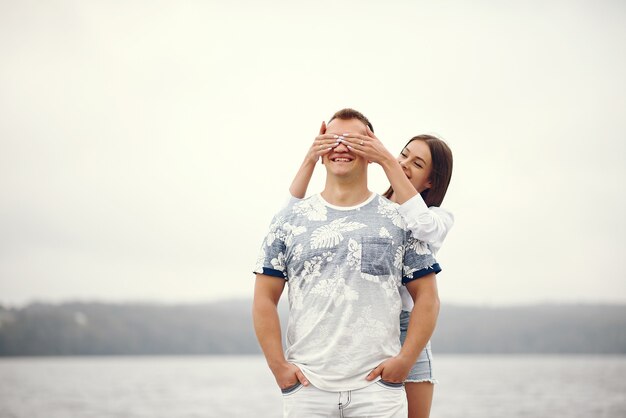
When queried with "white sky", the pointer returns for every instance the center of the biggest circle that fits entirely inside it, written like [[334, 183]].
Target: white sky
[[144, 146]]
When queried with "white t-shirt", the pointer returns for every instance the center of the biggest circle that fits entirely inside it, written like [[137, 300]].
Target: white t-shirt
[[345, 267]]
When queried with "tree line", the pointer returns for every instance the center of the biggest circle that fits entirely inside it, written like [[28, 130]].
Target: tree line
[[225, 327]]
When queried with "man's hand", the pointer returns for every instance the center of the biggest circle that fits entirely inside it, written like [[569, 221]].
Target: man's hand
[[368, 146], [393, 370], [288, 374]]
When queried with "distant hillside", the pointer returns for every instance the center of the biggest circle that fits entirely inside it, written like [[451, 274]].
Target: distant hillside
[[576, 329], [226, 328]]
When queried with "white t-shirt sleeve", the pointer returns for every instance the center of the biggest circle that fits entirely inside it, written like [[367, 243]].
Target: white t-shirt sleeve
[[430, 225]]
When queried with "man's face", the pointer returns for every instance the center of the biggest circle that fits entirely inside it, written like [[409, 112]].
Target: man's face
[[341, 161]]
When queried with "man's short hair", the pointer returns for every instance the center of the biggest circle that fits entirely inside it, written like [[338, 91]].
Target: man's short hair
[[347, 114]]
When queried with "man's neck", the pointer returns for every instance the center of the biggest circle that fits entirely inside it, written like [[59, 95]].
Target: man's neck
[[345, 193]]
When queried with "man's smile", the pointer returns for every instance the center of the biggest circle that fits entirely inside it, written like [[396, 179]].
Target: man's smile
[[342, 159]]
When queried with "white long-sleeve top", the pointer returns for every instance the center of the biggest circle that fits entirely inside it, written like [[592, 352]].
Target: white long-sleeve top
[[430, 225]]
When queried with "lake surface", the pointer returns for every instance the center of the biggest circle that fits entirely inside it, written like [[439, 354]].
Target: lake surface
[[242, 386]]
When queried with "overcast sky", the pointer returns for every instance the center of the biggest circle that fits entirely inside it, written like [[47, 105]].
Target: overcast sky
[[144, 146]]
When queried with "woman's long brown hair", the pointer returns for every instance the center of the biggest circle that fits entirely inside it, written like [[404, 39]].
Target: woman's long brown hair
[[441, 170]]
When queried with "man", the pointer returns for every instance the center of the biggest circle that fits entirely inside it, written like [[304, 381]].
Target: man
[[344, 253]]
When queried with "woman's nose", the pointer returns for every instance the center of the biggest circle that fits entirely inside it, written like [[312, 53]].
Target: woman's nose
[[403, 164]]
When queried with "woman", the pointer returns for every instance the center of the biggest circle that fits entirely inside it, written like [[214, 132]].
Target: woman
[[419, 180]]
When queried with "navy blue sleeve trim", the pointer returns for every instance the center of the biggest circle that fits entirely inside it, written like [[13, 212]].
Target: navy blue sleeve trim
[[272, 272], [435, 268]]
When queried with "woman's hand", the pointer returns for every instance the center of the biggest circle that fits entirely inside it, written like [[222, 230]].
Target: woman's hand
[[322, 145], [368, 146]]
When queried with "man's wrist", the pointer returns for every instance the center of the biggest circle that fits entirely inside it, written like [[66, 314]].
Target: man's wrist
[[278, 364]]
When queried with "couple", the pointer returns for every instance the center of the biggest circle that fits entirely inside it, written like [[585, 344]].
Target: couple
[[361, 277]]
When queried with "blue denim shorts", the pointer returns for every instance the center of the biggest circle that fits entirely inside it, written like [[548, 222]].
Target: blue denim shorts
[[422, 370]]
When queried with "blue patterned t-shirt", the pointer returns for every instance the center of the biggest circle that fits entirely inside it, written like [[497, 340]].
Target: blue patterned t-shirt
[[344, 267]]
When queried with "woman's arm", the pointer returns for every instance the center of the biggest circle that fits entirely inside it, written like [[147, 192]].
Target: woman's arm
[[403, 190], [430, 225], [321, 145], [301, 181], [373, 149]]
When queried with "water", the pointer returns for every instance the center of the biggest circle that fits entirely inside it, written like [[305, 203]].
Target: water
[[211, 386]]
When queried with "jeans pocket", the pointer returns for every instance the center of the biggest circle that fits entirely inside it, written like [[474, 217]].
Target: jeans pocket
[[390, 385], [376, 256], [291, 389]]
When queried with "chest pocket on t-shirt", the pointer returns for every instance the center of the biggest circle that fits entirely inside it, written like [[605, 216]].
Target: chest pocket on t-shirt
[[376, 256]]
